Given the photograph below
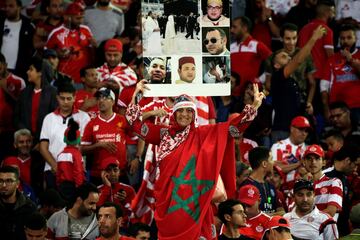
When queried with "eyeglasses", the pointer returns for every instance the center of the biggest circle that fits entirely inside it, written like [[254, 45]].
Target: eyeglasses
[[212, 40], [7, 181], [217, 8]]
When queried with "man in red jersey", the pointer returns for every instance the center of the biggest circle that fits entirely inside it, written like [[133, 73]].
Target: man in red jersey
[[104, 136], [73, 42], [341, 81], [246, 51], [84, 98], [256, 220]]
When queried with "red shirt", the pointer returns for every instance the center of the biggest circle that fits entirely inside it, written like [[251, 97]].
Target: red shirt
[[328, 191], [106, 130], [14, 85], [255, 226], [24, 166], [246, 58], [70, 166], [78, 41], [108, 194], [344, 80], [318, 51], [244, 147], [121, 238], [80, 96]]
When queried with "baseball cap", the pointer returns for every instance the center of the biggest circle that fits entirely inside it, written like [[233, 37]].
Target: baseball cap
[[50, 53], [314, 149], [355, 214], [249, 194], [185, 60], [113, 45], [109, 161], [75, 8], [300, 122], [275, 222], [303, 184], [106, 92]]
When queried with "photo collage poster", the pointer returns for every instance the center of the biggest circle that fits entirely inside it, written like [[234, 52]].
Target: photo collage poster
[[186, 47]]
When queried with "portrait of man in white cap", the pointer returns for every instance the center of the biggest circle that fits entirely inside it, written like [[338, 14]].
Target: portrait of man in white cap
[[214, 15]]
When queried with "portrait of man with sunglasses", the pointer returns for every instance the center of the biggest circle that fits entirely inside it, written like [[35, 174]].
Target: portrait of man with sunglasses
[[214, 15], [215, 41]]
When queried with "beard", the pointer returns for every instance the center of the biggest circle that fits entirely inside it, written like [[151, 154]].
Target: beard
[[351, 49], [103, 3]]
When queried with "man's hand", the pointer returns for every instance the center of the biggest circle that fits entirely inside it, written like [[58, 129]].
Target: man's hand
[[318, 33], [309, 108], [121, 195], [134, 166], [109, 146], [346, 53], [159, 112], [53, 167], [105, 178], [258, 97]]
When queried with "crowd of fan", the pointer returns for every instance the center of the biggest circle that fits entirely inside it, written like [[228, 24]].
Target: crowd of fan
[[68, 71]]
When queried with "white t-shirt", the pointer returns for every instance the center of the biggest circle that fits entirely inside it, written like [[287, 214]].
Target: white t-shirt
[[10, 42]]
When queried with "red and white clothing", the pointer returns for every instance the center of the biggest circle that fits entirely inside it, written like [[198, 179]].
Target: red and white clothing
[[205, 110], [78, 41], [108, 194], [328, 191], [255, 226], [14, 85], [155, 105], [53, 129], [70, 166], [80, 96], [122, 74], [318, 51], [106, 130], [250, 52], [244, 147], [279, 152], [341, 80], [316, 225], [24, 167], [121, 238]]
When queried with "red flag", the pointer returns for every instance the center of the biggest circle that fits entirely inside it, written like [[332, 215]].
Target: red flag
[[187, 181]]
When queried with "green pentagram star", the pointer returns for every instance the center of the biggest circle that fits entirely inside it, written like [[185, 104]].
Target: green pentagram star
[[195, 184]]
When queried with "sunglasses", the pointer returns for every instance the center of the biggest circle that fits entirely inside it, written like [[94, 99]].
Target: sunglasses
[[212, 40]]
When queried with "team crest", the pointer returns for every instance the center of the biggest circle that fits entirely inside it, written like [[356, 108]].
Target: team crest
[[259, 228], [323, 190], [251, 192], [96, 128], [310, 219], [234, 131], [144, 130]]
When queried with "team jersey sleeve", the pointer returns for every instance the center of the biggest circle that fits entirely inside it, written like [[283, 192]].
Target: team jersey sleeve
[[336, 194], [328, 39], [263, 51], [45, 133], [87, 137]]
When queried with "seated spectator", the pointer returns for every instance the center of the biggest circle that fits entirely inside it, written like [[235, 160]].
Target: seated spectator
[[50, 202], [109, 221], [36, 101], [35, 227], [10, 89], [334, 141], [256, 220], [306, 221], [70, 172], [328, 191], [114, 191], [140, 231], [278, 228], [261, 163], [78, 221], [15, 208], [84, 98], [232, 214]]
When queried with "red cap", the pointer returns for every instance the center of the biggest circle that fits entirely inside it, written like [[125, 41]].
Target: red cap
[[75, 8], [249, 194], [278, 221], [300, 122], [184, 60], [278, 170], [314, 149], [108, 161], [113, 45]]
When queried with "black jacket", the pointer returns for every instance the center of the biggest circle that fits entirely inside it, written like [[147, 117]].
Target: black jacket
[[26, 49], [12, 220]]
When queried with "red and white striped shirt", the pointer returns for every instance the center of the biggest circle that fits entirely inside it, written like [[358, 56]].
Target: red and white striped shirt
[[205, 110], [122, 74], [328, 191]]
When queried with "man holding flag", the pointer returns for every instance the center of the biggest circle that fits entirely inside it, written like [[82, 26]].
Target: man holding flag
[[190, 160]]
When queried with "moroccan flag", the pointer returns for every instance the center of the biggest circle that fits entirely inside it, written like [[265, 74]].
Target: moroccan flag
[[187, 181]]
